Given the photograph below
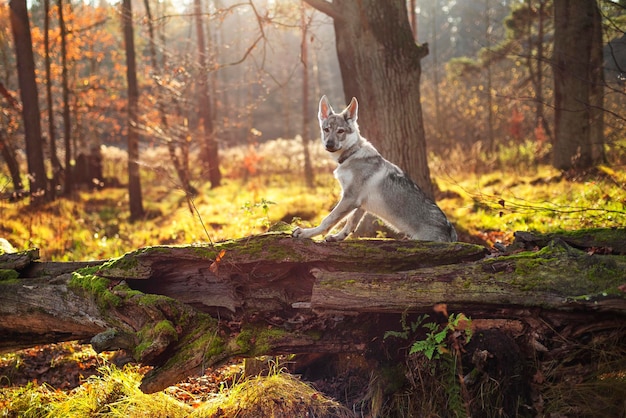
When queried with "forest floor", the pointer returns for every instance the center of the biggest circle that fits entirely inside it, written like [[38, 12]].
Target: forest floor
[[258, 191], [65, 366]]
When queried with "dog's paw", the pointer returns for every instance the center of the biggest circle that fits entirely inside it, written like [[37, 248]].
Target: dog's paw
[[299, 233], [335, 238]]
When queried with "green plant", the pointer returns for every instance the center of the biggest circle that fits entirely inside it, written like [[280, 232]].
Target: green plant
[[264, 205], [440, 362], [438, 336]]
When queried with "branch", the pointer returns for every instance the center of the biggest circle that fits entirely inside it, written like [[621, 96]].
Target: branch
[[15, 104], [325, 7]]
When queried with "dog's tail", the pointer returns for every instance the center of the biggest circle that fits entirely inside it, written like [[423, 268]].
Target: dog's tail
[[452, 233]]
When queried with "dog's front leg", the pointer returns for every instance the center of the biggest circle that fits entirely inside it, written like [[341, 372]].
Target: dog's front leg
[[350, 226], [338, 213]]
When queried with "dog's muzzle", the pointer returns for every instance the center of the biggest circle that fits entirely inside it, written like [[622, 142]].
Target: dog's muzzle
[[330, 147]]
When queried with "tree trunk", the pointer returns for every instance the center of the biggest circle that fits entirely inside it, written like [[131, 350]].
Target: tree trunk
[[538, 79], [577, 88], [8, 154], [57, 169], [380, 65], [210, 152], [596, 88], [20, 27], [134, 182], [491, 142], [439, 127], [7, 151], [306, 117], [185, 308], [67, 123]]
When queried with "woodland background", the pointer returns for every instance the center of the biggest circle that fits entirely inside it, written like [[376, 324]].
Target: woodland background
[[216, 138], [211, 77]]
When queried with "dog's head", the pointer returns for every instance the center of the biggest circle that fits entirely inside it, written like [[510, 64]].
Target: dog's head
[[339, 130]]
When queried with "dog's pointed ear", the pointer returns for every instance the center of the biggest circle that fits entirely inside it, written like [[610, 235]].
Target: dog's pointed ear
[[352, 111], [325, 109]]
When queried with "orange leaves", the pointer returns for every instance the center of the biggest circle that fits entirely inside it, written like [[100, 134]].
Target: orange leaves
[[251, 160], [214, 267]]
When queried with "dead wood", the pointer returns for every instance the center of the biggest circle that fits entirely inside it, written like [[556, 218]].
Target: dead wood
[[182, 309]]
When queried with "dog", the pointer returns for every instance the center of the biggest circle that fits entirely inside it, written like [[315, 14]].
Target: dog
[[370, 183]]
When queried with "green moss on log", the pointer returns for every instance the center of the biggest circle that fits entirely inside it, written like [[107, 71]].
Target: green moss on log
[[163, 332], [9, 276], [256, 341], [86, 279], [565, 270]]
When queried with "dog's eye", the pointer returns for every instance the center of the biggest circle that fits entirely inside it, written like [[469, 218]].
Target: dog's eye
[[340, 131], [327, 130]]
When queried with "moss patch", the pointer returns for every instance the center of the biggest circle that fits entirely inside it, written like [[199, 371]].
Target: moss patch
[[86, 279], [256, 341], [9, 276], [564, 270]]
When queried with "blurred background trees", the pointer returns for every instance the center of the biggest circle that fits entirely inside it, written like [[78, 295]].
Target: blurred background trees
[[218, 73]]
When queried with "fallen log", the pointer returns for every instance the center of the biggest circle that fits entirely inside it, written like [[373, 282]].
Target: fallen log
[[182, 309]]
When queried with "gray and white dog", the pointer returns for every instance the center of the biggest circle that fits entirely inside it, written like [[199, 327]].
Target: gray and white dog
[[372, 184]]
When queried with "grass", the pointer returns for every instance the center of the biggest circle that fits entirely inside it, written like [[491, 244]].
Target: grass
[[277, 395], [542, 200], [115, 392], [490, 206]]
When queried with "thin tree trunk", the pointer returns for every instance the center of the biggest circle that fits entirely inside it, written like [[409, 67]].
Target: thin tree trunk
[[20, 27], [54, 158], [67, 125], [540, 118], [439, 128], [7, 151], [209, 145], [413, 17], [306, 117], [596, 93], [491, 146], [14, 168], [134, 182]]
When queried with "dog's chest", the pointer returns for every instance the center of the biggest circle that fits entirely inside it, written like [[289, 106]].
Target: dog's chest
[[361, 182], [344, 177]]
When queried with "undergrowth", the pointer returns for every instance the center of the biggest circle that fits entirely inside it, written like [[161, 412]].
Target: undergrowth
[[115, 392], [269, 188], [277, 394]]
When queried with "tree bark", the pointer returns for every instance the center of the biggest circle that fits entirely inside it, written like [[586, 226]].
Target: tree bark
[[20, 26], [8, 154], [210, 150], [380, 66], [7, 151], [134, 181], [596, 88], [55, 163], [67, 123], [577, 85], [184, 308], [306, 117]]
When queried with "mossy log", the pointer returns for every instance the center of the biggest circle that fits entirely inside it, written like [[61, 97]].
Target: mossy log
[[182, 309]]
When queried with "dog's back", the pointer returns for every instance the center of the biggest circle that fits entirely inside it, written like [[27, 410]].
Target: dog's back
[[387, 192]]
